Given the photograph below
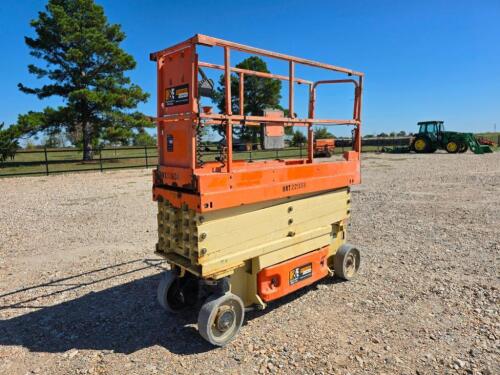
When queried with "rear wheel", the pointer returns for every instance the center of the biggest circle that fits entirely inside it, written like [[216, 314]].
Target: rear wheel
[[175, 294], [452, 147], [421, 145], [463, 148], [220, 318], [346, 262]]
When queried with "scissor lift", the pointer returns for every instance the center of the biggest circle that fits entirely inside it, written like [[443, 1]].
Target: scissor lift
[[245, 232]]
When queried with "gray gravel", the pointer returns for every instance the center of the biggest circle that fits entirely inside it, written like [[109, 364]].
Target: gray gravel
[[78, 280]]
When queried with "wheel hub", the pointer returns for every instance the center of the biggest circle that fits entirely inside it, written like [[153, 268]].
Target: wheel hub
[[350, 264], [420, 144], [225, 319]]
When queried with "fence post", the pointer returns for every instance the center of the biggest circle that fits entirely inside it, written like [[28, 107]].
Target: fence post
[[46, 161], [146, 156], [100, 158], [300, 149]]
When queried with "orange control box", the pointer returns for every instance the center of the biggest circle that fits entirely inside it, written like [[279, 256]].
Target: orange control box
[[286, 277]]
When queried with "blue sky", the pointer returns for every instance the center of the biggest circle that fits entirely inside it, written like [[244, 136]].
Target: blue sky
[[422, 59]]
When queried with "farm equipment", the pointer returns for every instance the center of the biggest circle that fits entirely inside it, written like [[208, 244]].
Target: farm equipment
[[245, 233], [486, 141], [324, 147], [432, 136]]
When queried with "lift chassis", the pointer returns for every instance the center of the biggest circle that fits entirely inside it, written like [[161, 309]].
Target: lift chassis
[[245, 232]]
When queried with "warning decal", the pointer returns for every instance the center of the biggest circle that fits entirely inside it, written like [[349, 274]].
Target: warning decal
[[300, 273], [177, 95]]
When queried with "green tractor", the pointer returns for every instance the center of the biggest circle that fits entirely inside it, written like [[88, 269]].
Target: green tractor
[[432, 136]]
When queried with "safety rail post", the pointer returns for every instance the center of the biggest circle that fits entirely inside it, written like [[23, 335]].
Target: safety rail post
[[46, 161], [100, 158], [146, 156], [291, 71], [241, 96], [229, 110], [310, 150]]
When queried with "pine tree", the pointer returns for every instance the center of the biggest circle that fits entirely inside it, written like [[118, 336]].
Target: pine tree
[[85, 66]]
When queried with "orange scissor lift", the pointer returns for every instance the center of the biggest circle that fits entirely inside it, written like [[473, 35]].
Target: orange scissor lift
[[245, 232]]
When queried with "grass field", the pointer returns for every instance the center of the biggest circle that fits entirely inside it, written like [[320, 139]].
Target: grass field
[[32, 162], [63, 160]]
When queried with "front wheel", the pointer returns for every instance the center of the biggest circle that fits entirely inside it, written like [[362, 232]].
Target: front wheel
[[452, 147], [220, 318], [462, 148], [346, 262]]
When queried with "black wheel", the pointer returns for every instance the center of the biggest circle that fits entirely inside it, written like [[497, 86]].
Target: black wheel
[[452, 147], [346, 262], [421, 145], [220, 318], [462, 147], [175, 293]]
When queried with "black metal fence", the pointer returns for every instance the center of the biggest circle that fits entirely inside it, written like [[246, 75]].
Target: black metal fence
[[47, 161], [44, 161]]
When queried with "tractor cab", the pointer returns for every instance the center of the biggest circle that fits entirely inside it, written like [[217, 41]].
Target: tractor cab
[[431, 127]]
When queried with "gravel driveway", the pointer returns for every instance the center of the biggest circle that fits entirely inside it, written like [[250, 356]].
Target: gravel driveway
[[78, 280]]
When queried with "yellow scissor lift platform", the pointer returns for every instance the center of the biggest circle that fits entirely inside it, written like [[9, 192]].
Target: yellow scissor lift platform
[[245, 232]]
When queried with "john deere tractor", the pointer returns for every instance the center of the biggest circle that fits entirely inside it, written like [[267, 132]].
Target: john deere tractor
[[432, 136]]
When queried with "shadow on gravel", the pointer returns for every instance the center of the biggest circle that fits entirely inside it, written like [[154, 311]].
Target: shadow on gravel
[[122, 319]]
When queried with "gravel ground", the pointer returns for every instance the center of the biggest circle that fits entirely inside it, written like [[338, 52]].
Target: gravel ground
[[78, 279]]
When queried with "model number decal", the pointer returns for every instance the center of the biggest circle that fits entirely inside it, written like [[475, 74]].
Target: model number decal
[[300, 273], [296, 186]]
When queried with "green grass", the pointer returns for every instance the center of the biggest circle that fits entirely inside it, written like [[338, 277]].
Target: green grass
[[63, 160], [32, 162]]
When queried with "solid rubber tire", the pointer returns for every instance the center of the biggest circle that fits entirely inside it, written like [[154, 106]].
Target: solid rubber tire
[[340, 258], [162, 292], [208, 313]]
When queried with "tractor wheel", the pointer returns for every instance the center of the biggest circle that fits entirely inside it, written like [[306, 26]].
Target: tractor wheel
[[452, 147], [346, 262], [220, 318], [462, 147], [175, 294], [421, 145]]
